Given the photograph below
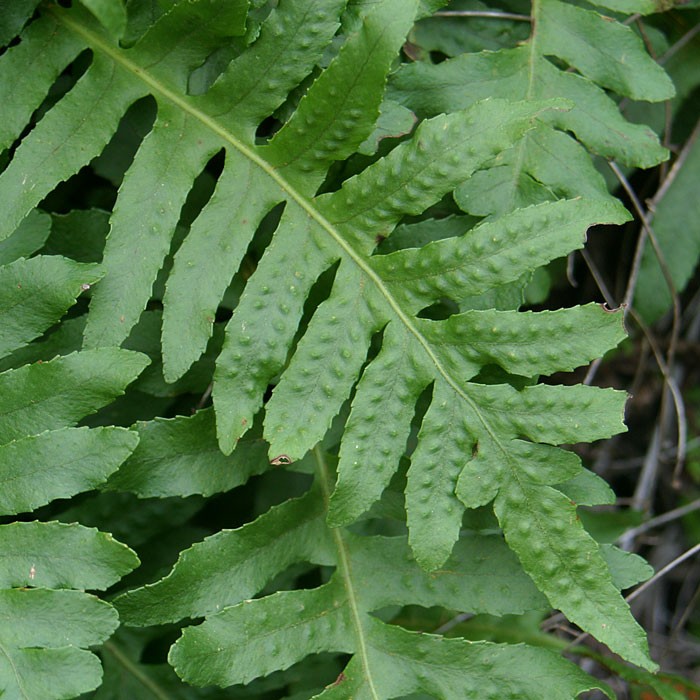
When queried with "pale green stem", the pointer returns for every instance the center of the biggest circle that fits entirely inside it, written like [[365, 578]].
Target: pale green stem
[[532, 45], [532, 60], [135, 671], [345, 569]]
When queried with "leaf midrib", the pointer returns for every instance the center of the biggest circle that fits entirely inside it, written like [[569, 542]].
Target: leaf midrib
[[95, 42], [346, 572], [532, 56], [11, 661]]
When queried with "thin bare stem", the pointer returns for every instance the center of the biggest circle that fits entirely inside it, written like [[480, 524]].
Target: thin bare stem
[[552, 622], [668, 378], [136, 672], [205, 396], [645, 37], [668, 119], [676, 395], [688, 36], [667, 517], [634, 272], [662, 262], [592, 370], [691, 317], [646, 483], [686, 613], [675, 329], [634, 462], [462, 617], [483, 13], [675, 168], [600, 282], [639, 370], [638, 591], [662, 572]]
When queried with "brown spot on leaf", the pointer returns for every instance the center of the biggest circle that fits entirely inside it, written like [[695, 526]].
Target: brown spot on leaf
[[608, 310], [339, 679]]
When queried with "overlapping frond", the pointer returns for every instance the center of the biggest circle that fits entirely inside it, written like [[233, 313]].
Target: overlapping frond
[[243, 639], [47, 621], [550, 161]]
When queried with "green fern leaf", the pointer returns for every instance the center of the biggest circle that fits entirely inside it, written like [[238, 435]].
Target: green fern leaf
[[593, 45], [57, 555], [626, 569], [644, 7], [30, 235], [15, 16], [503, 148], [221, 573], [548, 163], [59, 393], [51, 397], [454, 668], [588, 489], [72, 460], [180, 457], [295, 531], [28, 305], [44, 635], [41, 402], [407, 181], [195, 137], [44, 632], [111, 13]]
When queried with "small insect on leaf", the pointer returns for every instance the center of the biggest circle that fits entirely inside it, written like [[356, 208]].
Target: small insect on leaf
[[281, 459]]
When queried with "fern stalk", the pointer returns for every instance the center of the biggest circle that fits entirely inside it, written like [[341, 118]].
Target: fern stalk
[[346, 572]]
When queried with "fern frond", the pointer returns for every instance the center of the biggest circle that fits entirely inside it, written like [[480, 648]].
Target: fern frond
[[45, 628], [180, 457], [243, 639], [111, 13], [548, 162], [502, 148]]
